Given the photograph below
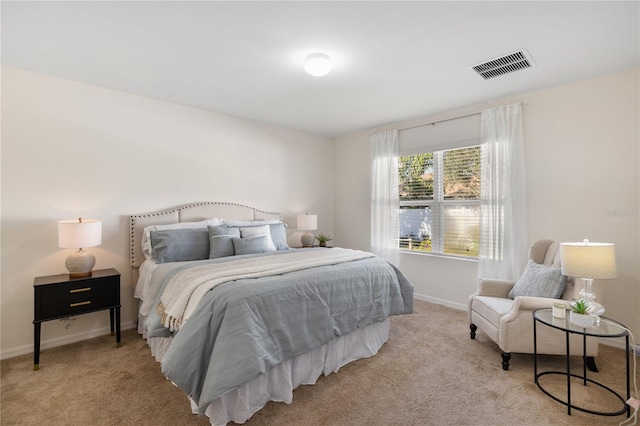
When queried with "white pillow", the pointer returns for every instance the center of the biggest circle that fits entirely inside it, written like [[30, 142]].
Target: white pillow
[[146, 234], [256, 231]]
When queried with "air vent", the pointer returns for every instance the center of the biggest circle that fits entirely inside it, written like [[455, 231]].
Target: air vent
[[504, 65]]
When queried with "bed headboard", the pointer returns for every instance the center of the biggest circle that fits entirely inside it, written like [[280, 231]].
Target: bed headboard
[[188, 213]]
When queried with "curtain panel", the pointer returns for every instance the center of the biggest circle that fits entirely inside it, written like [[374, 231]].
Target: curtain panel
[[504, 234], [385, 204]]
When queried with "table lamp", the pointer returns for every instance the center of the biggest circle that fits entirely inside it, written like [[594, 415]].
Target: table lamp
[[307, 222], [588, 261], [79, 234]]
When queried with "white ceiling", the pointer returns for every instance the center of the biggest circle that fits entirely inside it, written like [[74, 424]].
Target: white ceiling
[[393, 61]]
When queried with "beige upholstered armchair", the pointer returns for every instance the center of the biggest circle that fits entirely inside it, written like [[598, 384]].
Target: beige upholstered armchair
[[509, 322]]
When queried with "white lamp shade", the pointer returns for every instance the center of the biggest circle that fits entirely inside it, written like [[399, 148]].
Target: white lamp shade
[[79, 233], [588, 260], [308, 222]]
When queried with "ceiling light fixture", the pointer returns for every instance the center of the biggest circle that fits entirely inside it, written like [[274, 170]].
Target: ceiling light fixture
[[317, 65]]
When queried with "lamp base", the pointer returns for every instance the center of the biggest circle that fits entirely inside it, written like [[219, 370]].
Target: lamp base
[[80, 264], [597, 308], [307, 239], [586, 293]]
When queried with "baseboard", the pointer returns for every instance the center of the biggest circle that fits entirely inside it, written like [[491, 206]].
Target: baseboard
[[619, 343], [616, 343], [52, 343], [60, 341], [448, 303]]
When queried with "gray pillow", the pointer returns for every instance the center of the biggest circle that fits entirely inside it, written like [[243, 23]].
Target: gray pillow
[[250, 245], [279, 236], [179, 245], [220, 244], [539, 281], [278, 233]]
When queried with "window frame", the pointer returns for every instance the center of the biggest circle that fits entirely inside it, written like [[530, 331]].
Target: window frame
[[438, 204]]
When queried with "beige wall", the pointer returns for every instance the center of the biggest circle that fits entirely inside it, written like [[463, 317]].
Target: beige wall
[[70, 149], [582, 156]]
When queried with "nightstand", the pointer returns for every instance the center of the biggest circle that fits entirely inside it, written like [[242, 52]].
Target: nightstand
[[59, 296]]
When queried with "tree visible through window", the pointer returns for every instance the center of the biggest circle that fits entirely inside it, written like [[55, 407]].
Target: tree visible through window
[[440, 201]]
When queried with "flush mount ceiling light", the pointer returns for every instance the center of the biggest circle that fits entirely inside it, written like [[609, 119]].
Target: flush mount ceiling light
[[317, 64]]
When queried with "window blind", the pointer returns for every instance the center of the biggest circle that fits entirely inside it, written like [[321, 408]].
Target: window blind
[[440, 201]]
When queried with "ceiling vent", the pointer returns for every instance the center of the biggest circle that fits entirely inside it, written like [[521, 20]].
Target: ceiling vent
[[504, 65]]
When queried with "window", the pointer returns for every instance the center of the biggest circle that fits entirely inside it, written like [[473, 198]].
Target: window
[[440, 201]]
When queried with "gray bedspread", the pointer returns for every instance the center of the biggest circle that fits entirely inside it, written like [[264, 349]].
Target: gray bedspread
[[243, 328]]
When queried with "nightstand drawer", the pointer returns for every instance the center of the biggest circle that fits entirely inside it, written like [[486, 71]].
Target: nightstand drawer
[[76, 298], [58, 296]]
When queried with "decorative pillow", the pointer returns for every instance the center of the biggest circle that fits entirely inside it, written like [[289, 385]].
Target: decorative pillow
[[279, 236], [258, 244], [254, 231], [146, 237], [179, 245], [220, 244], [539, 281]]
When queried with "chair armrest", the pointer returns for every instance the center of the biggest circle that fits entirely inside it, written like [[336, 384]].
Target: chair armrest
[[516, 325], [525, 305], [491, 288], [529, 303], [494, 288]]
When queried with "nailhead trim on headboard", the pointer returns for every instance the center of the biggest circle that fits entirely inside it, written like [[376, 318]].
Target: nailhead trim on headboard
[[132, 222]]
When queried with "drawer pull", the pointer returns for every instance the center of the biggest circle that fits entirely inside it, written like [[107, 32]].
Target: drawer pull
[[80, 290], [73, 305]]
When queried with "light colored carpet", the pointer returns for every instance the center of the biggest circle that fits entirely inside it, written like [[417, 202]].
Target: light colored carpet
[[428, 373]]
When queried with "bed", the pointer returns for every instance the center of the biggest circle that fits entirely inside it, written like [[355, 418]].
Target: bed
[[237, 318]]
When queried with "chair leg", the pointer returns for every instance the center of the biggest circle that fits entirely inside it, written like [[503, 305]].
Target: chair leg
[[473, 328], [506, 356], [591, 364]]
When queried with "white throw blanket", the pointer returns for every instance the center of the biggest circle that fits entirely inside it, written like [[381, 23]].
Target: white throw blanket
[[185, 290]]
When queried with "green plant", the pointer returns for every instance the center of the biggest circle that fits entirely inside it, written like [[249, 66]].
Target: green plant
[[323, 238], [580, 306]]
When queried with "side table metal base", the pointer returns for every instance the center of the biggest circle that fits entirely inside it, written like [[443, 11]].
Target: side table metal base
[[607, 328], [586, 410]]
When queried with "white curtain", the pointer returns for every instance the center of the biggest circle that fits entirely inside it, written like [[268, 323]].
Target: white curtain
[[385, 222], [504, 235]]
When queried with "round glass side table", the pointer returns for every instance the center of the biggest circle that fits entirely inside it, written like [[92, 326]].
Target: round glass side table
[[605, 328]]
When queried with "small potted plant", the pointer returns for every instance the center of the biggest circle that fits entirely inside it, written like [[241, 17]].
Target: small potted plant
[[322, 239], [580, 313]]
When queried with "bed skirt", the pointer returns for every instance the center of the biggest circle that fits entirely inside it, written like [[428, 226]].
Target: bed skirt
[[279, 382]]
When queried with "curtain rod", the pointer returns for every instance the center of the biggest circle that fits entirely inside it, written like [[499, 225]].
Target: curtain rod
[[433, 123], [457, 117]]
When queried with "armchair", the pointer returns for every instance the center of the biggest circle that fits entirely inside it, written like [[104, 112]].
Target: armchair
[[509, 322]]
